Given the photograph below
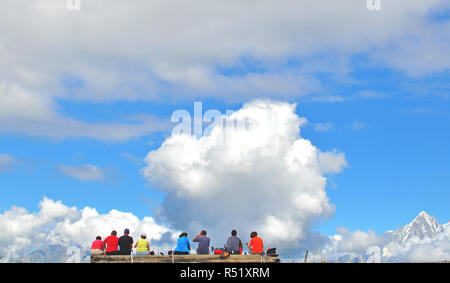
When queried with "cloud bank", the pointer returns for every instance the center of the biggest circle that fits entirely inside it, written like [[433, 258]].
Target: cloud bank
[[351, 246], [157, 52], [59, 227], [58, 224]]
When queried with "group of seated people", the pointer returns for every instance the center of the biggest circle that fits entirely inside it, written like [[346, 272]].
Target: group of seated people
[[113, 245]]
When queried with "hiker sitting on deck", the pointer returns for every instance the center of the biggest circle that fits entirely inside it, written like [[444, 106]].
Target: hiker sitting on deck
[[125, 243], [256, 246], [98, 247], [183, 246], [111, 243], [142, 245], [234, 244], [203, 243]]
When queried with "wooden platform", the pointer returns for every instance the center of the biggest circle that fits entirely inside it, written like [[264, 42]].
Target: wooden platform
[[183, 259]]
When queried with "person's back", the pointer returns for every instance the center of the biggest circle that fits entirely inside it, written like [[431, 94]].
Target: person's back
[[256, 245], [97, 247], [142, 245], [233, 245], [125, 244], [203, 244], [111, 243], [183, 246]]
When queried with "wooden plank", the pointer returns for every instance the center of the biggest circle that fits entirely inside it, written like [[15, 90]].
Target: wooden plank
[[182, 259]]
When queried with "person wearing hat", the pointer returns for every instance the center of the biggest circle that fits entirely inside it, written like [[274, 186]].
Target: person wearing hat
[[125, 243], [142, 245]]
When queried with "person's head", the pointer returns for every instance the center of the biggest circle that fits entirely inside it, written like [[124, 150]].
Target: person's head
[[126, 231], [203, 232], [253, 234], [114, 233], [233, 233], [143, 236], [184, 234], [98, 238]]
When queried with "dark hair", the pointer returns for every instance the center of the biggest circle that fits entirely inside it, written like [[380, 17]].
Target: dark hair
[[114, 232], [203, 232], [253, 234], [98, 238], [184, 234], [233, 233]]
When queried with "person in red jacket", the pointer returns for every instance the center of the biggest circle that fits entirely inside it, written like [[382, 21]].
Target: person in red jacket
[[112, 244], [256, 245], [98, 247]]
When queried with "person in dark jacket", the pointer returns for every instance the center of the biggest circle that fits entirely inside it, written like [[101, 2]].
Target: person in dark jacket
[[125, 243], [203, 243], [234, 244]]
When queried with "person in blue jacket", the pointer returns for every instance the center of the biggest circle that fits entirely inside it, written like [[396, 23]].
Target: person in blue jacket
[[183, 245]]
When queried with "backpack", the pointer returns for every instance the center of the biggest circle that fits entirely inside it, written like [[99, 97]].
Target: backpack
[[225, 254], [272, 252]]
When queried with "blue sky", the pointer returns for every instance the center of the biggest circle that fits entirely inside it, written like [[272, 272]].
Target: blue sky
[[396, 157], [382, 103]]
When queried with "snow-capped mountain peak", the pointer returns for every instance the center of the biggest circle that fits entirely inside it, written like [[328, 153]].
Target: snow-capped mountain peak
[[424, 225]]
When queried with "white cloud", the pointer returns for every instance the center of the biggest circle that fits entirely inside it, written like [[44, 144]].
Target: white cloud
[[420, 111], [59, 127], [329, 98], [420, 250], [26, 112], [7, 162], [370, 94], [357, 126], [332, 162], [323, 127], [19, 103], [85, 172], [224, 185], [355, 242], [160, 50], [56, 223], [346, 246], [364, 94]]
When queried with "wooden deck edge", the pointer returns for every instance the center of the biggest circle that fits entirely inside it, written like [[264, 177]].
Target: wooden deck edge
[[183, 259]]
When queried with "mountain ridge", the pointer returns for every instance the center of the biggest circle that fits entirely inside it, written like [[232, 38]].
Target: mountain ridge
[[423, 225]]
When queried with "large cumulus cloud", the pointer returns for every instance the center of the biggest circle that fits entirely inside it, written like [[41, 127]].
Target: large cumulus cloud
[[262, 177]]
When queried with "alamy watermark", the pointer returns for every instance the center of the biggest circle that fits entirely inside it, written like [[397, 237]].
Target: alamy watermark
[[74, 254], [225, 126], [374, 254], [374, 5], [73, 5]]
